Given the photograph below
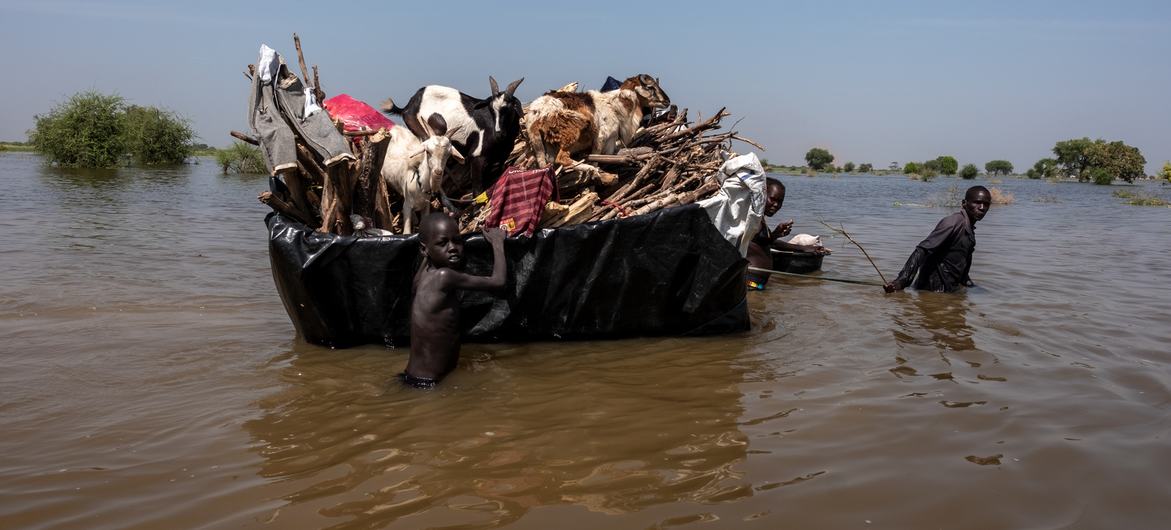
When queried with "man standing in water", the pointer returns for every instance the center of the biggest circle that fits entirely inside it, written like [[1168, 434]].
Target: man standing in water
[[759, 253], [435, 310], [942, 261]]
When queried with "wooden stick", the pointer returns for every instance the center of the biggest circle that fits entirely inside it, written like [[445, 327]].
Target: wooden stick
[[244, 137], [301, 60], [825, 278], [843, 232], [280, 206]]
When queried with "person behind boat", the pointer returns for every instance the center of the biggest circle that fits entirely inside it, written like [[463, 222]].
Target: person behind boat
[[759, 253], [435, 310], [942, 261]]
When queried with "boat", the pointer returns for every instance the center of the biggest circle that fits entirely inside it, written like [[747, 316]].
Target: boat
[[667, 273]]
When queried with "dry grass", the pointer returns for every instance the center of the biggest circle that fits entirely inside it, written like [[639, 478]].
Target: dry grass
[[1001, 197]]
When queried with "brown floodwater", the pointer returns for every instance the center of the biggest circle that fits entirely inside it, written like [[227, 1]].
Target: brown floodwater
[[151, 379]]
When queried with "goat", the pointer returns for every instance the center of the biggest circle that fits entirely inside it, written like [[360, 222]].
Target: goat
[[415, 169], [488, 128], [562, 125]]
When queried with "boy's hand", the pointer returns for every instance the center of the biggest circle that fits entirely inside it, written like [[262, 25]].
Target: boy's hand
[[892, 287], [821, 251], [785, 228], [495, 236]]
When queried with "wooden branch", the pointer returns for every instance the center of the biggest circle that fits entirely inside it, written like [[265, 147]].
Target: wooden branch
[[317, 90], [301, 60], [244, 137], [842, 231], [280, 206]]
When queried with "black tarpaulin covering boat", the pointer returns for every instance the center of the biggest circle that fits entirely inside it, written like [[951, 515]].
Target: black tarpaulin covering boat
[[666, 273]]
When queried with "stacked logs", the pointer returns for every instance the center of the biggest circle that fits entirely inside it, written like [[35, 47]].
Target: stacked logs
[[326, 197], [669, 162]]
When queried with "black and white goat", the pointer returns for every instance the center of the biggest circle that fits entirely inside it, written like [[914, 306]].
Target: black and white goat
[[487, 128]]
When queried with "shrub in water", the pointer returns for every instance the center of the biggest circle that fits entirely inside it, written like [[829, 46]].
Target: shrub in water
[[98, 130], [1100, 176], [240, 158], [85, 131], [155, 136]]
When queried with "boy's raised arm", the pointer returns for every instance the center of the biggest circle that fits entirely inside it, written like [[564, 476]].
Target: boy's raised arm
[[495, 237]]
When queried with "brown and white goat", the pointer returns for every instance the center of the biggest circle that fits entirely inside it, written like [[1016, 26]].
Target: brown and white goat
[[564, 125], [415, 168]]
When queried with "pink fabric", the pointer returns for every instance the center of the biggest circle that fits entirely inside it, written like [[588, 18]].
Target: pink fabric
[[518, 199], [355, 115]]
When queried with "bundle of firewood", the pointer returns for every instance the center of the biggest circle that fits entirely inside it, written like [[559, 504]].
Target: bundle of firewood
[[669, 162], [327, 197]]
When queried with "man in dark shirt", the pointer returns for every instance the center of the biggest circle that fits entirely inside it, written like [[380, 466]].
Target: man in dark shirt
[[943, 259]]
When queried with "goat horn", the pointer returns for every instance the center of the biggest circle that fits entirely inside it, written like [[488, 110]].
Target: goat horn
[[512, 86], [495, 87]]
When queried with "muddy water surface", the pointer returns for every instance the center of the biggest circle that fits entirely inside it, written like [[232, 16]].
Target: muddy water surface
[[152, 380]]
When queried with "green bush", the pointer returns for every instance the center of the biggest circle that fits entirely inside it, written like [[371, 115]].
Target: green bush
[[1100, 176], [155, 136], [97, 130], [240, 158], [969, 172], [912, 168], [947, 164], [85, 131]]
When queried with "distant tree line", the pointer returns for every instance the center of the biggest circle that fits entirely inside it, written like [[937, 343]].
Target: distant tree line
[[91, 129], [1088, 160]]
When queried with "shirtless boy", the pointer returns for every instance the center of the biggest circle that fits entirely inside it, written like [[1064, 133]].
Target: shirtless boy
[[435, 310]]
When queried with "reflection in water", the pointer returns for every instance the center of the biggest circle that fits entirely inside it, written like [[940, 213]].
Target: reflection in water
[[934, 319], [515, 428]]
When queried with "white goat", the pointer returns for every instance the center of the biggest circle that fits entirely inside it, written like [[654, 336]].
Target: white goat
[[415, 168]]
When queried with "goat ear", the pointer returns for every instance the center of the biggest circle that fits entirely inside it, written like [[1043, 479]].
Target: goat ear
[[512, 86], [455, 154], [495, 87], [437, 124]]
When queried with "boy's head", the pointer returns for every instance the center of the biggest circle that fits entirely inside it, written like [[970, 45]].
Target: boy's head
[[439, 241], [774, 196], [976, 202]]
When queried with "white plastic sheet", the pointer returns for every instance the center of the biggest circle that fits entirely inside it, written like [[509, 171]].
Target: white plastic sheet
[[739, 206]]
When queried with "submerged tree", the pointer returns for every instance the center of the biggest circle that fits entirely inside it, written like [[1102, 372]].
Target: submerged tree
[[969, 172], [998, 167], [1043, 169], [1119, 160], [818, 158], [947, 164], [865, 168], [848, 167], [1072, 155]]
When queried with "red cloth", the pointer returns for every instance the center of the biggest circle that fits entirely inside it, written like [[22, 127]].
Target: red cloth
[[354, 114], [518, 198]]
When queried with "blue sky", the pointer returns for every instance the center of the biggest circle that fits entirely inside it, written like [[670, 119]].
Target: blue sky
[[871, 81]]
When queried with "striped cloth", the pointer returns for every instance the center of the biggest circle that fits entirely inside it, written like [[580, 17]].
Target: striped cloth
[[518, 198]]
